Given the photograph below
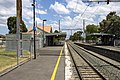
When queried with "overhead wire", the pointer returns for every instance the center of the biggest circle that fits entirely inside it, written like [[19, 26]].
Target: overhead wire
[[75, 8], [94, 12], [82, 14]]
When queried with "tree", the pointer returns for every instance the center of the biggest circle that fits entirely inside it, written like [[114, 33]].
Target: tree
[[76, 36], [11, 23], [111, 24], [91, 29], [56, 31], [71, 38], [105, 24]]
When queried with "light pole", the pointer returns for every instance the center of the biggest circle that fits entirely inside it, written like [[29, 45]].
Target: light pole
[[34, 29], [43, 31], [84, 34]]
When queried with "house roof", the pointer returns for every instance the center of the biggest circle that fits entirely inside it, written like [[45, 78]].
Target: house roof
[[46, 28]]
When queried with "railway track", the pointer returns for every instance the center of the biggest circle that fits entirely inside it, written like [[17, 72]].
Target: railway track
[[91, 67]]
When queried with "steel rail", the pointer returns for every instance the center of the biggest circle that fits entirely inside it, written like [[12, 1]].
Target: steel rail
[[100, 58], [79, 75], [103, 78]]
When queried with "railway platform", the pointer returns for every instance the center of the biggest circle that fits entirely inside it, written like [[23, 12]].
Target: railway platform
[[113, 48], [68, 62], [49, 65]]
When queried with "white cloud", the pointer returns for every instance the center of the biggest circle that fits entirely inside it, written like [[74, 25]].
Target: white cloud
[[3, 25], [66, 22], [38, 11], [76, 5], [59, 8], [8, 8], [92, 11], [39, 21]]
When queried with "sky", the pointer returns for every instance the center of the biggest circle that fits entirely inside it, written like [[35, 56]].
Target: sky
[[70, 13]]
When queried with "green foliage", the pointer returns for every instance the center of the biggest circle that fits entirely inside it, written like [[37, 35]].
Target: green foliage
[[23, 27], [91, 29], [111, 24], [71, 38], [11, 23], [56, 31], [76, 36]]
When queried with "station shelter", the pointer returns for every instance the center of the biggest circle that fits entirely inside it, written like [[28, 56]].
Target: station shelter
[[55, 39], [105, 39]]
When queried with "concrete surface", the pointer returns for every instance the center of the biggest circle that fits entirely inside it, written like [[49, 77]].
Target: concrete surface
[[40, 68]]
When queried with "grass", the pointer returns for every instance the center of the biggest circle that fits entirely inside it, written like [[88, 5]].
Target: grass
[[8, 58]]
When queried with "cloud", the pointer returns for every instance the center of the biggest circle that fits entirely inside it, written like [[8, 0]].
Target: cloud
[[39, 21], [70, 12], [91, 13], [38, 11], [59, 8], [6, 11], [54, 24], [66, 22], [76, 6], [8, 8]]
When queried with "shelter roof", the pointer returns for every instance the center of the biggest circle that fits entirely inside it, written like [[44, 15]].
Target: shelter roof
[[100, 34], [57, 34]]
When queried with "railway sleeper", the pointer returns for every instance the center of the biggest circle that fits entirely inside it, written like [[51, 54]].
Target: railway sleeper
[[92, 79]]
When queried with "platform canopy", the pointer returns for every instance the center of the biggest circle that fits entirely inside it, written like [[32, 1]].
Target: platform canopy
[[53, 39], [62, 34], [100, 34]]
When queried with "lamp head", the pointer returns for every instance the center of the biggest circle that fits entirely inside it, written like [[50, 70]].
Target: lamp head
[[44, 20]]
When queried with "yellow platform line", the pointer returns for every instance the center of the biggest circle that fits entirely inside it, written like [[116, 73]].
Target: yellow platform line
[[56, 66]]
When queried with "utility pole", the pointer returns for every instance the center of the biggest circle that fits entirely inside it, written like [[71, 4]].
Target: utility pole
[[71, 32], [59, 26], [19, 9], [18, 21], [43, 32], [84, 34], [34, 29], [36, 24]]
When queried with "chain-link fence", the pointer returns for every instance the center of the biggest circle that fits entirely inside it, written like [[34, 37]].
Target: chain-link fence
[[26, 42], [8, 55]]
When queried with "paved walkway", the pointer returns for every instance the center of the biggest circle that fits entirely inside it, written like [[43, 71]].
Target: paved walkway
[[41, 68]]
